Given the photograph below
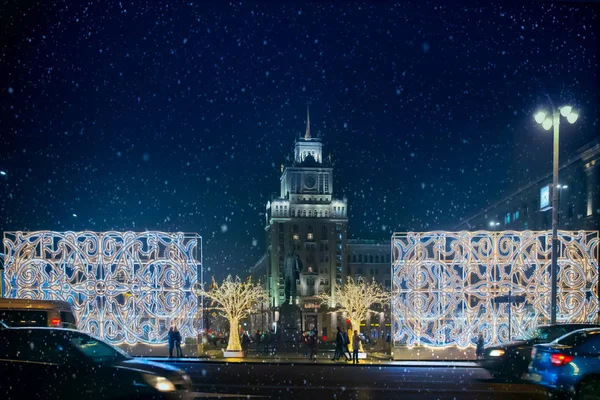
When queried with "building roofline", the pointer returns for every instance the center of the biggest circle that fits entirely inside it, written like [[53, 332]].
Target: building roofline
[[594, 144]]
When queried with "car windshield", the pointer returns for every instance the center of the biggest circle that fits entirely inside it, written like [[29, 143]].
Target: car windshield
[[96, 349]]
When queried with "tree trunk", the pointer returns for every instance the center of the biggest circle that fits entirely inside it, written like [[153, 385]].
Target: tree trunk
[[234, 336]]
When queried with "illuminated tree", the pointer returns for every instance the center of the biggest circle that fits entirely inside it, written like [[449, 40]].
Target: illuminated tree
[[235, 299], [355, 299]]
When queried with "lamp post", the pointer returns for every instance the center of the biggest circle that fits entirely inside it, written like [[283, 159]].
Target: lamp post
[[560, 188], [494, 225], [548, 121]]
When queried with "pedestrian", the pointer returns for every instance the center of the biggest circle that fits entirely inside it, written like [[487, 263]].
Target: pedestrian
[[245, 344], [171, 337], [339, 344], [312, 340], [480, 343], [305, 342], [257, 341], [347, 347], [178, 342], [355, 345], [266, 338]]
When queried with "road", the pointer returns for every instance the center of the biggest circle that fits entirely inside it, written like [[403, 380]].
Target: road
[[334, 381]]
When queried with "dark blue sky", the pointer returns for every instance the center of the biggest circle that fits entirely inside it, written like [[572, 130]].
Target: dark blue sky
[[167, 116]]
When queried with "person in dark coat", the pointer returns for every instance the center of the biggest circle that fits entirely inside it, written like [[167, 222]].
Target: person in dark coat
[[347, 353], [177, 337], [171, 341], [480, 343], [245, 343], [312, 341], [257, 341], [339, 344]]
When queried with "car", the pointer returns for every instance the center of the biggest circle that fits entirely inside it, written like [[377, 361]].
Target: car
[[569, 365], [30, 312], [510, 360], [68, 364]]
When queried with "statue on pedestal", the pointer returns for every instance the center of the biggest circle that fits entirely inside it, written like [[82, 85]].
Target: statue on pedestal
[[291, 272]]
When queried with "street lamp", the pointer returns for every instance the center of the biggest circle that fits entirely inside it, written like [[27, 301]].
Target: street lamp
[[494, 225], [547, 121]]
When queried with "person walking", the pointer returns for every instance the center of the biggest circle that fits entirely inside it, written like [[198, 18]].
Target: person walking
[[312, 341], [480, 346], [347, 347], [257, 341], [339, 344], [355, 345], [177, 336], [266, 340], [171, 337], [245, 344]]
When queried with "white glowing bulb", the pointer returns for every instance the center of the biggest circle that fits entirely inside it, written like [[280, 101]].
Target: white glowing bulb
[[565, 111], [540, 116], [572, 117], [547, 124]]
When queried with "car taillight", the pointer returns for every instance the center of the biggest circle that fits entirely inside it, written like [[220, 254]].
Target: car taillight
[[559, 359], [55, 321]]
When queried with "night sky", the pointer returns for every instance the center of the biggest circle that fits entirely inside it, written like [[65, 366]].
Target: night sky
[[167, 116]]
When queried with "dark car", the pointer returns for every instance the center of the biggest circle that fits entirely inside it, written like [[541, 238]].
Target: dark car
[[67, 364], [570, 365], [510, 360]]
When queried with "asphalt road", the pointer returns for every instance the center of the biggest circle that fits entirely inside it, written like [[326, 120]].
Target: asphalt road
[[340, 381]]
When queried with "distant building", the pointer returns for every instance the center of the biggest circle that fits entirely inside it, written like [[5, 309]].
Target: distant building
[[371, 260], [530, 207]]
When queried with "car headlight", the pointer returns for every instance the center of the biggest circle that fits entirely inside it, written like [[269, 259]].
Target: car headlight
[[496, 353], [159, 383]]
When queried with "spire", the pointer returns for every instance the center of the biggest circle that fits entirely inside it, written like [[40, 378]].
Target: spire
[[307, 135]]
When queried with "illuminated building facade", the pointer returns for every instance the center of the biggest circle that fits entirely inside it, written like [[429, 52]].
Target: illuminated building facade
[[307, 218], [125, 287], [449, 286]]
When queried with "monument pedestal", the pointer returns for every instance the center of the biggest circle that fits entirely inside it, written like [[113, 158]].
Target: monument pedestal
[[289, 325]]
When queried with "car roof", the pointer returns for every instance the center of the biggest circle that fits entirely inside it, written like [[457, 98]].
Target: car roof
[[26, 330], [582, 324], [8, 303]]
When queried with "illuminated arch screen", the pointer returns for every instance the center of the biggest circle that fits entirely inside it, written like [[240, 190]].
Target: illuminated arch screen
[[125, 287], [449, 286]]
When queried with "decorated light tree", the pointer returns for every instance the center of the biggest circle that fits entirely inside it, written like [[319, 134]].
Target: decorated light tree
[[355, 298], [234, 298]]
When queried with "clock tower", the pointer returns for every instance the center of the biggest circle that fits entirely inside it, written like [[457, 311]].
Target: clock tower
[[307, 218]]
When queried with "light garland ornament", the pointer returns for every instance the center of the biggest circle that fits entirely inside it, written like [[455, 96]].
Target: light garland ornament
[[355, 299], [235, 299], [125, 287], [447, 286]]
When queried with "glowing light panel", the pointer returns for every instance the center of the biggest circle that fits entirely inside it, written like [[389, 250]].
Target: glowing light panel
[[446, 285], [125, 287]]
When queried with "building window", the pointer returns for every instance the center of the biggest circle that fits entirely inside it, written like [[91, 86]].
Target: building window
[[371, 258], [295, 229], [348, 271], [324, 233], [359, 271], [507, 219], [353, 258], [296, 236], [377, 259], [516, 215], [360, 258], [348, 258], [525, 211], [309, 236], [526, 225]]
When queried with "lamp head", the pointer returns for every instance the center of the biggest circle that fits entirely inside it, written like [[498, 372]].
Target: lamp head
[[547, 124], [540, 116], [565, 111], [572, 117]]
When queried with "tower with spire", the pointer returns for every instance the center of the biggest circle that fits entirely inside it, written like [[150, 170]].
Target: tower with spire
[[307, 218]]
